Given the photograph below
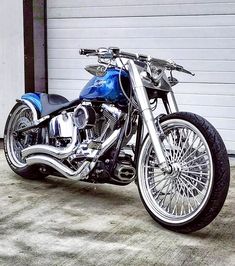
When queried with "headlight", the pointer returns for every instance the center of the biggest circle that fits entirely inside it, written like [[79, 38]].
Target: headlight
[[156, 72]]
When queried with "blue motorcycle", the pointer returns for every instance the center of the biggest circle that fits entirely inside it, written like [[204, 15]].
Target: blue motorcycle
[[180, 166]]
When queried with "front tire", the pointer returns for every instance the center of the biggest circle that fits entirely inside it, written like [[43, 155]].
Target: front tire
[[20, 117], [192, 195]]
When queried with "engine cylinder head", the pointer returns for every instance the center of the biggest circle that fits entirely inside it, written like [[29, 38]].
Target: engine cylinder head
[[112, 114]]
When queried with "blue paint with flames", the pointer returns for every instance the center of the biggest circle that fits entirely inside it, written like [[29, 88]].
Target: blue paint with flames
[[34, 98], [106, 88]]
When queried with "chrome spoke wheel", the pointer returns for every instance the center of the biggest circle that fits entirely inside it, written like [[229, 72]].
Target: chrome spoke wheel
[[15, 143], [179, 196]]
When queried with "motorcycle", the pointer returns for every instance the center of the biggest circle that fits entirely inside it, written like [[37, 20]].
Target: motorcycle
[[180, 166]]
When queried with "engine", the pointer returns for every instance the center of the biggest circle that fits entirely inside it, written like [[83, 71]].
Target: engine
[[61, 129], [97, 121], [91, 122], [93, 125]]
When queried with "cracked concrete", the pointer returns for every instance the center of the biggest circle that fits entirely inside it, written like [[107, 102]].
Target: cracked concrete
[[62, 222]]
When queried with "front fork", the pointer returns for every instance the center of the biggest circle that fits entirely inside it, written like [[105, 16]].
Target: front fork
[[170, 103], [147, 115]]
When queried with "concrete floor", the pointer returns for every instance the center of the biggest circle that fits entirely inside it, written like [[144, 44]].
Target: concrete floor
[[60, 222]]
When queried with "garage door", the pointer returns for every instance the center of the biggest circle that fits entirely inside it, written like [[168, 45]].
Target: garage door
[[11, 57], [200, 36]]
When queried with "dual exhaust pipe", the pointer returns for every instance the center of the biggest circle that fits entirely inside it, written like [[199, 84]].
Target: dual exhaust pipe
[[43, 154]]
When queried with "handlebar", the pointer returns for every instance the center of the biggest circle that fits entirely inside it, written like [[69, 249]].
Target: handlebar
[[87, 51], [114, 52]]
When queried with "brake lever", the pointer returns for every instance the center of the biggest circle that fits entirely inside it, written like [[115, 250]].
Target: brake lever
[[180, 68], [190, 73]]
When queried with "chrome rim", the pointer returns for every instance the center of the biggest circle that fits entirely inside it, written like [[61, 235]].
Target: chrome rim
[[22, 117], [179, 196]]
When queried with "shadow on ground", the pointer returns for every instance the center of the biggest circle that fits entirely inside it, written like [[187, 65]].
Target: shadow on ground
[[61, 222]]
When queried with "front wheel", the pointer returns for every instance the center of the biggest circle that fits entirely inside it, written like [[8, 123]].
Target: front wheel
[[191, 196]]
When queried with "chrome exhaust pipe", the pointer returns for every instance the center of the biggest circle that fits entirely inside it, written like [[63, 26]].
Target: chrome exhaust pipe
[[82, 171], [86, 166], [59, 153]]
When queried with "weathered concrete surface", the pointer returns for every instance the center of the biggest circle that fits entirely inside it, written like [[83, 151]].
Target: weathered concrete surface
[[59, 222]]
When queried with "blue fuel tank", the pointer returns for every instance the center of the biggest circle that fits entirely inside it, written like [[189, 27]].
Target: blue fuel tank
[[106, 88]]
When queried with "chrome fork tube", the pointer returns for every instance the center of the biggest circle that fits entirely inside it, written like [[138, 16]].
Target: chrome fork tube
[[170, 103], [143, 102]]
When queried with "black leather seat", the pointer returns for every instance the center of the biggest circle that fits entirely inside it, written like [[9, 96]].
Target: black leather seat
[[52, 103]]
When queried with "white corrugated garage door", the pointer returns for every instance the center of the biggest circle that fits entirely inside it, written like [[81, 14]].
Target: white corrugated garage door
[[200, 36], [11, 57]]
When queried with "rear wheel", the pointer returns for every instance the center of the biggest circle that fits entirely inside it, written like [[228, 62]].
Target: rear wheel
[[20, 117], [192, 195]]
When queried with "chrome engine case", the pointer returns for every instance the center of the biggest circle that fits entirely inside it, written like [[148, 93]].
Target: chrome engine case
[[61, 126]]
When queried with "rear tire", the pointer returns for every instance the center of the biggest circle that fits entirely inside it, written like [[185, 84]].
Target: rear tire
[[199, 181], [19, 117]]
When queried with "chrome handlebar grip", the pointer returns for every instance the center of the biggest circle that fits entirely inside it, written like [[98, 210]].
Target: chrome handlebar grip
[[87, 51]]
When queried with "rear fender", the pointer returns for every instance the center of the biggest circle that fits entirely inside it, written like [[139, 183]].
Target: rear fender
[[33, 101]]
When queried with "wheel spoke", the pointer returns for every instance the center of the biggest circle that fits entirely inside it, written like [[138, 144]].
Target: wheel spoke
[[194, 173], [163, 200], [197, 165], [189, 148], [186, 140], [155, 175], [188, 196], [172, 194], [179, 145], [196, 158], [174, 144], [159, 192], [169, 142], [168, 155], [187, 176], [156, 183], [193, 152], [175, 208], [191, 185]]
